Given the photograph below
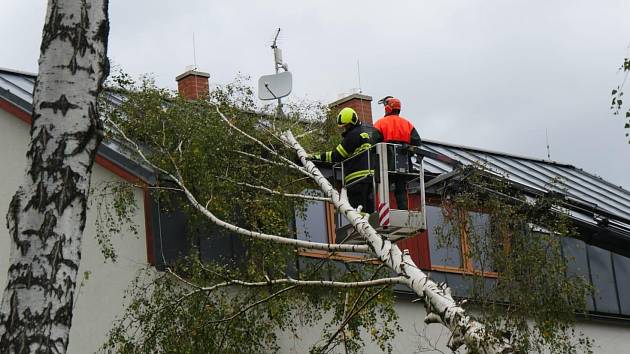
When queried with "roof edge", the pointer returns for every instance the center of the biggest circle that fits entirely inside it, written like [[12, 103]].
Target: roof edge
[[18, 72]]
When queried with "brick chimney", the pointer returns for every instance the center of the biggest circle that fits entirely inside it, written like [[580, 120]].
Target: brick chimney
[[193, 84], [362, 104]]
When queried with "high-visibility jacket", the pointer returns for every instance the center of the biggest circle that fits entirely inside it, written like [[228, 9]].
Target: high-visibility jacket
[[396, 129], [353, 150]]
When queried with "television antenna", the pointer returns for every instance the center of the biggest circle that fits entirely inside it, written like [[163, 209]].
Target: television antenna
[[548, 149], [274, 87]]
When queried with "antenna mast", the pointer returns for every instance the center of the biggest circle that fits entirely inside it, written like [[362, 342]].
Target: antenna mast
[[277, 58], [359, 75], [548, 150], [194, 52]]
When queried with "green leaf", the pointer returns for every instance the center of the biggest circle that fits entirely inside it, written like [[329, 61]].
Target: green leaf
[[627, 125], [614, 92]]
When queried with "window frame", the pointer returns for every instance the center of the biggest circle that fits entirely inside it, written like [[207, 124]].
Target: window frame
[[329, 213], [466, 260]]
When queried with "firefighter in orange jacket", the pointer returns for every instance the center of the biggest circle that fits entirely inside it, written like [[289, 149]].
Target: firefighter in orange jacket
[[358, 138], [398, 130], [393, 127]]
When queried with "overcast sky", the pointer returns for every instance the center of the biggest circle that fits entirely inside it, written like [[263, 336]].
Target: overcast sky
[[489, 74]]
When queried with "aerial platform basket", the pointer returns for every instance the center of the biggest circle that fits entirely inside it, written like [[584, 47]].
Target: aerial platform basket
[[394, 169]]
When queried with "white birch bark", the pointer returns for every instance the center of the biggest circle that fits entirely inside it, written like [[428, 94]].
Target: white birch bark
[[440, 305], [47, 214]]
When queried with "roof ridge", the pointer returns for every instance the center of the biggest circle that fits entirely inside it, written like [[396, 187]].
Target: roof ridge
[[500, 153]]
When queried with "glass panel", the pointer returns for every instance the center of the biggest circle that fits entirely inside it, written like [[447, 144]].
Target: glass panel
[[311, 225], [478, 239], [603, 281], [574, 252], [622, 270], [444, 250], [460, 284]]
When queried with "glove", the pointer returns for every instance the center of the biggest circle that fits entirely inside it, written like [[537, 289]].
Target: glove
[[316, 157]]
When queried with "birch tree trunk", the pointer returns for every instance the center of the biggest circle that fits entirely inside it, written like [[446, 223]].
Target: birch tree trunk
[[47, 214]]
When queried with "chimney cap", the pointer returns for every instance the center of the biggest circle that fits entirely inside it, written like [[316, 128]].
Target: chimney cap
[[191, 72], [350, 97]]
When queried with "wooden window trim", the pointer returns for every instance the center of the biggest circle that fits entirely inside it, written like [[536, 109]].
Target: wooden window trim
[[448, 269], [328, 255]]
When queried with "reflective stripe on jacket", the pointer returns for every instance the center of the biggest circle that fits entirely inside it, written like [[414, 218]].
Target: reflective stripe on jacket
[[352, 150]]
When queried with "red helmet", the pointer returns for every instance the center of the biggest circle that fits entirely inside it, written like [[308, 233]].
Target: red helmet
[[391, 104]]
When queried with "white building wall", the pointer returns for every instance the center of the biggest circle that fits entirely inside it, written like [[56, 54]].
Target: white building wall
[[100, 299], [417, 337]]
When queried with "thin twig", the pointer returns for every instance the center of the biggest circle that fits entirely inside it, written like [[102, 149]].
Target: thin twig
[[271, 191], [275, 153], [343, 325]]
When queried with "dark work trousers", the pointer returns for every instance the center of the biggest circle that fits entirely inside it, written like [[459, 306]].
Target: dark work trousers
[[397, 160], [362, 193], [400, 190]]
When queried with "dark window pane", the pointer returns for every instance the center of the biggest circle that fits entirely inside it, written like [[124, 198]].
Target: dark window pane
[[311, 225], [460, 284], [603, 281], [622, 271], [443, 252], [574, 252], [172, 239], [479, 240]]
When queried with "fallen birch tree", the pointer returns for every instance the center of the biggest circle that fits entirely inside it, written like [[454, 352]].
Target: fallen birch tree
[[182, 154], [440, 305]]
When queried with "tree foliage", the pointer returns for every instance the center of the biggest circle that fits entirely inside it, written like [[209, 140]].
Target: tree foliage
[[172, 313], [617, 105], [533, 299]]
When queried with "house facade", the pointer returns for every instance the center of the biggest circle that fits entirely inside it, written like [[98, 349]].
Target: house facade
[[601, 210]]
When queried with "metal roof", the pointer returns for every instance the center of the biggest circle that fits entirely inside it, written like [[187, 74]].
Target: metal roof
[[592, 196], [593, 193]]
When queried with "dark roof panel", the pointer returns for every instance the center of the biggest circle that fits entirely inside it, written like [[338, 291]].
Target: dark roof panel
[[580, 186]]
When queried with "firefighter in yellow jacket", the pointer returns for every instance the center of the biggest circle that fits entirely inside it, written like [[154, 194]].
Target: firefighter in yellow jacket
[[359, 163]]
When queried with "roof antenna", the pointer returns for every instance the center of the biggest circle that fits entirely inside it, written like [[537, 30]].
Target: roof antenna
[[359, 75], [278, 64], [194, 53], [548, 150]]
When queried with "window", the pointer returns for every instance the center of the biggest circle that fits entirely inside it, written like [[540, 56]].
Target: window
[[574, 253], [443, 254], [451, 249], [317, 223], [311, 224], [602, 278], [478, 236]]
